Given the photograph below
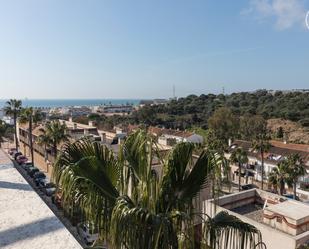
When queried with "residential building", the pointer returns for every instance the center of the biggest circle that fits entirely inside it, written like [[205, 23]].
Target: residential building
[[282, 222], [78, 130], [115, 109], [73, 111], [171, 137], [277, 152]]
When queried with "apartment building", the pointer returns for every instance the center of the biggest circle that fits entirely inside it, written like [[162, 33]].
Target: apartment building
[[277, 152], [169, 137], [282, 222]]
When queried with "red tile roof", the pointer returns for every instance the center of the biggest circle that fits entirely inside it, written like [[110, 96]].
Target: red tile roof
[[278, 148]]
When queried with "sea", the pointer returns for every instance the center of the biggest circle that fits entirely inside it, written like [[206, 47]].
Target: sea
[[50, 103]]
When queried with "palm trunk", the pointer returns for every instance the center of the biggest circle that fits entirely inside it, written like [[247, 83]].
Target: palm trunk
[[294, 190], [55, 150], [282, 187], [45, 152], [247, 174], [262, 161], [239, 176], [15, 130], [30, 140]]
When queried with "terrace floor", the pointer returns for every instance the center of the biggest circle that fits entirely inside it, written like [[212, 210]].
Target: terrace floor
[[25, 220], [253, 211]]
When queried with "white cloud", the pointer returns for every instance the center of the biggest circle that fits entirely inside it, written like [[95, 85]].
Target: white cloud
[[287, 13]]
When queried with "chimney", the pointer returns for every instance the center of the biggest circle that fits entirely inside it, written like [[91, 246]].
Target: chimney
[[91, 123], [103, 137], [75, 126]]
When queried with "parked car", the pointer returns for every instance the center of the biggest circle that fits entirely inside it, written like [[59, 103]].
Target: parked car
[[27, 165], [248, 186], [42, 183], [21, 159], [291, 196], [11, 151], [37, 176], [50, 189], [29, 169], [46, 186], [16, 154], [88, 233], [32, 170]]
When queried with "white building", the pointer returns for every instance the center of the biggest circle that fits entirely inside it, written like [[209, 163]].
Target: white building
[[115, 109], [170, 137], [277, 152]]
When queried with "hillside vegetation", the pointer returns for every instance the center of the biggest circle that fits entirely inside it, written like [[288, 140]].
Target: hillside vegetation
[[292, 131], [195, 110]]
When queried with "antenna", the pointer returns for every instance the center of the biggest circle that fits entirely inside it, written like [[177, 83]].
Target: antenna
[[223, 90], [174, 96]]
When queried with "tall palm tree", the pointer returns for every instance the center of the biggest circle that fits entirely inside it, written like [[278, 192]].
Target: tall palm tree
[[56, 133], [239, 156], [131, 205], [30, 116], [262, 144], [44, 140], [2, 131], [279, 176], [296, 169], [12, 109], [220, 172]]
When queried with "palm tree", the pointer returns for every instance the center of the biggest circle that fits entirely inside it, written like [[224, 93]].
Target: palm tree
[[239, 156], [220, 172], [57, 133], [30, 116], [2, 131], [131, 205], [261, 144], [12, 108], [296, 169], [279, 176], [44, 140]]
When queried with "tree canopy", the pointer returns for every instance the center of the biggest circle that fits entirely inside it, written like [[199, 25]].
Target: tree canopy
[[196, 110]]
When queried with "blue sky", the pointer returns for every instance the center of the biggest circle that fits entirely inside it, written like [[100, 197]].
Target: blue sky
[[141, 48]]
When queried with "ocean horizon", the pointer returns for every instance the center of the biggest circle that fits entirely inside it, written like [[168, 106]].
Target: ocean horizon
[[50, 103]]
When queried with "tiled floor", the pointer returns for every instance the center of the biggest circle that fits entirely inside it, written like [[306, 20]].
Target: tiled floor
[[25, 220]]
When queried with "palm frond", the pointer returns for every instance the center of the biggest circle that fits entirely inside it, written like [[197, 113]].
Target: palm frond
[[227, 231], [87, 174], [138, 228]]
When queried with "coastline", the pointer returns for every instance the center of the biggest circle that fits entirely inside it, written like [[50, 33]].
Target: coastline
[[54, 103]]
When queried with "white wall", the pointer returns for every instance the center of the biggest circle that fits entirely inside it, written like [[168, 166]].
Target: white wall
[[195, 139], [273, 239]]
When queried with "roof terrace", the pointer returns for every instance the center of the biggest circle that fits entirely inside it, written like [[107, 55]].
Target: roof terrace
[[284, 223], [25, 220]]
